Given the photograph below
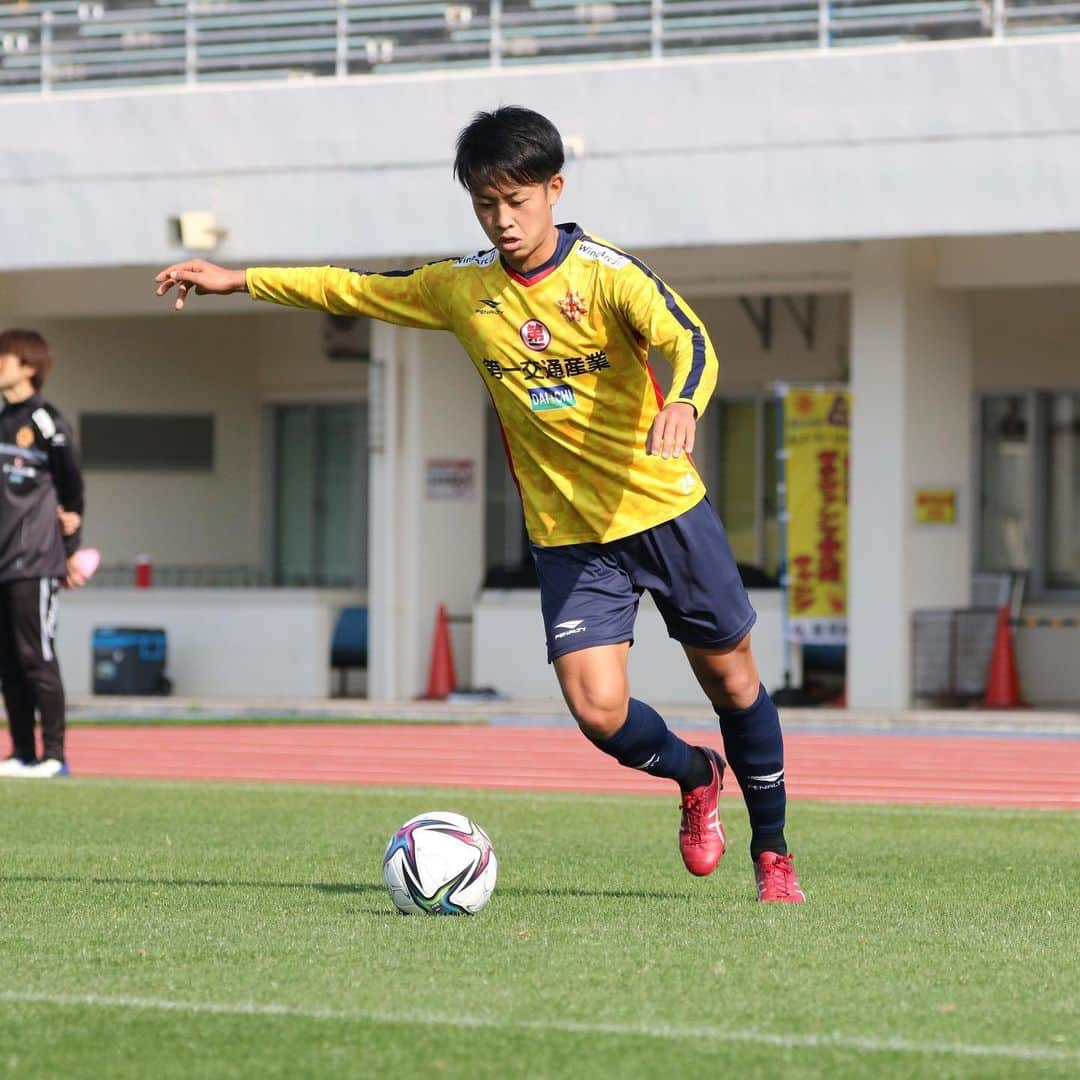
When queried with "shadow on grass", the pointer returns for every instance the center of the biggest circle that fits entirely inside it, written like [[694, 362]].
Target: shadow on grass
[[346, 888], [196, 883], [551, 893]]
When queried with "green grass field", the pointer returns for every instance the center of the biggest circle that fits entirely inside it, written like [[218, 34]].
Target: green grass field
[[202, 930]]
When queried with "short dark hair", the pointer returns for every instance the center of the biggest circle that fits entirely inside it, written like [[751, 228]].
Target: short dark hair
[[31, 349], [510, 143]]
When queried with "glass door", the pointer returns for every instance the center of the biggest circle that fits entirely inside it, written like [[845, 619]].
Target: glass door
[[320, 496]]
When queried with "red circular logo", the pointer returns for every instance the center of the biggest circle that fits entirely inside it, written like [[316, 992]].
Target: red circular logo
[[536, 335]]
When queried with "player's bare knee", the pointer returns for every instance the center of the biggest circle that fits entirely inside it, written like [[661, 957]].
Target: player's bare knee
[[599, 714], [736, 681], [600, 725], [741, 686], [742, 681]]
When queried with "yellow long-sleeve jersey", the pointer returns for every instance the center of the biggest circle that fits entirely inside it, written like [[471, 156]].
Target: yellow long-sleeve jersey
[[563, 351]]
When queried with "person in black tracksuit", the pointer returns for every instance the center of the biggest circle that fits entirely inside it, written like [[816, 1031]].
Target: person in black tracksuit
[[41, 499]]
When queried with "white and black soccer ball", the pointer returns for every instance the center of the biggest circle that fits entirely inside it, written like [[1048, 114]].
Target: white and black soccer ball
[[440, 863]]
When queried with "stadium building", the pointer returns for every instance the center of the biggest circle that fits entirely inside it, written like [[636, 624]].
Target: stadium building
[[882, 197]]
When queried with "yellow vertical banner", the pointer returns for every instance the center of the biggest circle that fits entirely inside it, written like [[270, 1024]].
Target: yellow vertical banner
[[816, 430]]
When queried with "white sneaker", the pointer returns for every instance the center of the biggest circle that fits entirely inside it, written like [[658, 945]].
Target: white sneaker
[[13, 766], [47, 769]]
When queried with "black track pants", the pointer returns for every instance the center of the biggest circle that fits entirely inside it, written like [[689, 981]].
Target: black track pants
[[29, 671]]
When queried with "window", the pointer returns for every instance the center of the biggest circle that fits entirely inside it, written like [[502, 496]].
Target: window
[[320, 496], [1029, 489], [1006, 483], [149, 442], [507, 559], [744, 492], [1063, 492]]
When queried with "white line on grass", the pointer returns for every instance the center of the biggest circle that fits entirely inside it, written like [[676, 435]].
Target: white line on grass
[[834, 1040]]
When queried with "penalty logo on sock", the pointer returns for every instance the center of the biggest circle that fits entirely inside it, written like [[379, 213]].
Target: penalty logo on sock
[[766, 782]]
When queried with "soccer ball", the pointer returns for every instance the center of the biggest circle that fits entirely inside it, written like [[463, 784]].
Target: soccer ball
[[440, 863]]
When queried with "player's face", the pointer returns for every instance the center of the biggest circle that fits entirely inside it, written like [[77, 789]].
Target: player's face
[[12, 373], [517, 219]]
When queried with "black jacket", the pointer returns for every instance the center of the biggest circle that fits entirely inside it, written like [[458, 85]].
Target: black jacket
[[40, 473]]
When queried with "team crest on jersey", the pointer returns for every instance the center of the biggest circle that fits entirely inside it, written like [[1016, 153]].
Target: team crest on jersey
[[24, 437], [535, 334], [573, 306]]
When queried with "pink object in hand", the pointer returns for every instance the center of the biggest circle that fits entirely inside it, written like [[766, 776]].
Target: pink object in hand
[[87, 561]]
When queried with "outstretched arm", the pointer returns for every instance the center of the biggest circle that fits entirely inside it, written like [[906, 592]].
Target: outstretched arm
[[202, 276], [404, 297]]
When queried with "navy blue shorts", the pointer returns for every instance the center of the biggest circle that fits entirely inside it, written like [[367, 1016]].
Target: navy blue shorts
[[589, 592]]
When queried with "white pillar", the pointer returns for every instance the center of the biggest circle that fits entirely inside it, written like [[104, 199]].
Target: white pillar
[[427, 547], [383, 513], [912, 384]]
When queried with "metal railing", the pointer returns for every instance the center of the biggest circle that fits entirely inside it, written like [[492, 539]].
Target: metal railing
[[78, 44], [173, 576]]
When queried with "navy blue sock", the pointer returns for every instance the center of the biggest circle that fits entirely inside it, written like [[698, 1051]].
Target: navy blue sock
[[645, 742], [754, 747]]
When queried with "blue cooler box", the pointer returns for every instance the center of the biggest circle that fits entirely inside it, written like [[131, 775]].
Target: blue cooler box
[[129, 660]]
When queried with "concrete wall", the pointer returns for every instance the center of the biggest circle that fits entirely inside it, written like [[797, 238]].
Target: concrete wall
[[222, 643], [291, 364], [951, 139], [144, 365], [912, 389], [746, 365], [443, 418], [1046, 659], [1027, 338], [938, 440]]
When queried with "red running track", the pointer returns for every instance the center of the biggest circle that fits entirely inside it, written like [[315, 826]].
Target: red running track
[[970, 771]]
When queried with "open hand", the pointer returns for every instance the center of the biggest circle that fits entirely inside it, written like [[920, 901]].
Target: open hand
[[200, 275], [672, 430]]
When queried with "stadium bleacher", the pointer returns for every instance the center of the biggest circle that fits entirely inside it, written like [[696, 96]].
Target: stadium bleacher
[[48, 45]]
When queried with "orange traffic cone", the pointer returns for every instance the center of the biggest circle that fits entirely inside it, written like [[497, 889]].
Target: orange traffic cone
[[1002, 682], [441, 677]]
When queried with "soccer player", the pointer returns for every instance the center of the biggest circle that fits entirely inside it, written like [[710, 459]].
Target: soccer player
[[558, 325], [41, 507]]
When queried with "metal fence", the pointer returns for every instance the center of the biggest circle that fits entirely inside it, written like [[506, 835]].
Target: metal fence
[[78, 44], [951, 650], [123, 576]]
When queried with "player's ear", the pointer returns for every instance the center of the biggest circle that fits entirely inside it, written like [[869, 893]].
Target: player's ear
[[554, 189]]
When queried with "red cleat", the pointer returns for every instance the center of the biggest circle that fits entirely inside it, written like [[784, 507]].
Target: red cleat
[[776, 880], [701, 836]]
